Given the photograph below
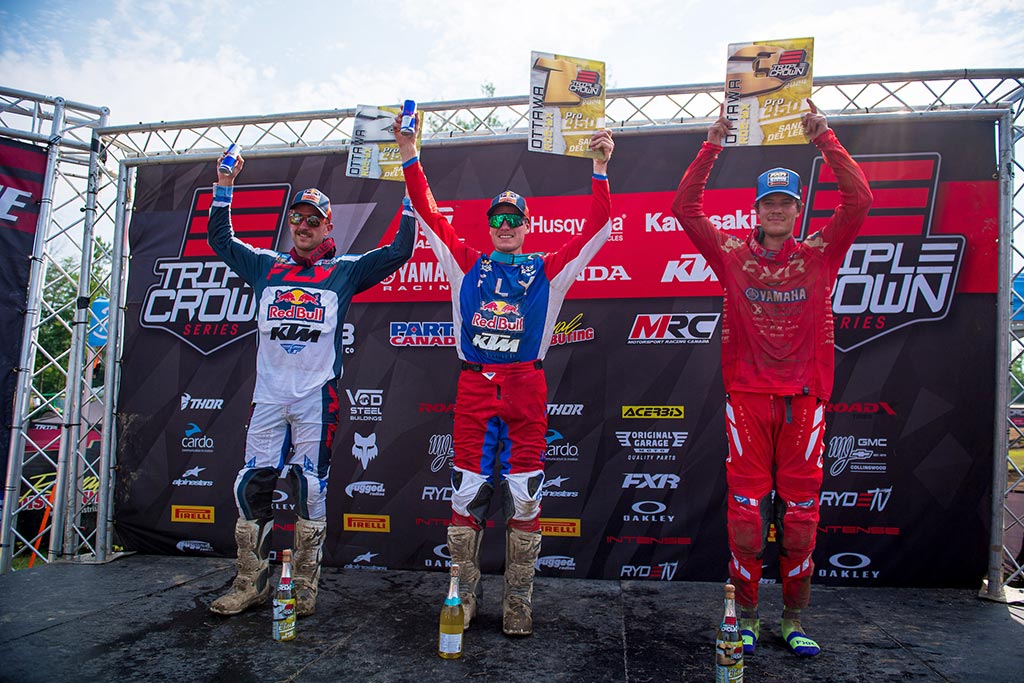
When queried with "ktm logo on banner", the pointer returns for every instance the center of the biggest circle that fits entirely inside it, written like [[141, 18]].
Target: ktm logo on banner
[[906, 276], [201, 514], [197, 298], [374, 523], [554, 526]]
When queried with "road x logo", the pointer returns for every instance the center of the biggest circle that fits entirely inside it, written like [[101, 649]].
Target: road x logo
[[896, 274], [196, 297]]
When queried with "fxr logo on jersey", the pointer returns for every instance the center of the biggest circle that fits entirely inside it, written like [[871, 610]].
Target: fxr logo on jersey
[[196, 297], [900, 275]]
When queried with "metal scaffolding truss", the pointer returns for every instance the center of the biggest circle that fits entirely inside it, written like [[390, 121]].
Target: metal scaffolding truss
[[996, 93]]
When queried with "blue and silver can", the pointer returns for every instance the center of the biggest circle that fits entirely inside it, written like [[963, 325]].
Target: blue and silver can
[[227, 164], [409, 118]]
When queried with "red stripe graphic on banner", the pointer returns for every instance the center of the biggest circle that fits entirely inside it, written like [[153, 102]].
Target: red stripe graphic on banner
[[256, 215]]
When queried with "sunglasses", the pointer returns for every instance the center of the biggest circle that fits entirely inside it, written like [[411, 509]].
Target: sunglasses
[[514, 220], [296, 218]]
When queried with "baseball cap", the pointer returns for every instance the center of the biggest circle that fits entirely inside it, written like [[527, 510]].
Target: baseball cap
[[315, 198], [778, 180], [511, 198]]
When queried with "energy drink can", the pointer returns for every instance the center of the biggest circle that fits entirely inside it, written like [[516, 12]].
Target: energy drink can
[[227, 164], [409, 118]]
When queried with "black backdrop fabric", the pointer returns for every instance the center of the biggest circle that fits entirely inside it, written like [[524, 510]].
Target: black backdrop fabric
[[22, 172], [636, 443]]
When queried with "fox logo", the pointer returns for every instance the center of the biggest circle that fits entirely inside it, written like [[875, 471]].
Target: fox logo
[[364, 448]]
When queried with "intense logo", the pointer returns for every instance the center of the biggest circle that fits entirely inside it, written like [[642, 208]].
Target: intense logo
[[196, 297], [904, 278]]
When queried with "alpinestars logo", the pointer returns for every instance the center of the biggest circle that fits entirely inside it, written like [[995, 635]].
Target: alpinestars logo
[[197, 298], [902, 278]]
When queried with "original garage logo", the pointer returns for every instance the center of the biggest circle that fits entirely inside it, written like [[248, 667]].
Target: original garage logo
[[904, 277], [197, 298]]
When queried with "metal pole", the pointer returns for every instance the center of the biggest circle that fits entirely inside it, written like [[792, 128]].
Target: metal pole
[[994, 589], [112, 366], [23, 391]]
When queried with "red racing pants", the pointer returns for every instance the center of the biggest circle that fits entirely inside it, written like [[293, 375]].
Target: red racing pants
[[500, 423], [775, 443]]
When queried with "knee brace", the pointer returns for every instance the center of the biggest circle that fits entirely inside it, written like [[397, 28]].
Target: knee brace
[[254, 492], [521, 493], [471, 495], [796, 528], [310, 492]]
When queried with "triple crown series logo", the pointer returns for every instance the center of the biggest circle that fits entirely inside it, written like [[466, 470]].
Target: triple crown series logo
[[901, 275], [200, 300]]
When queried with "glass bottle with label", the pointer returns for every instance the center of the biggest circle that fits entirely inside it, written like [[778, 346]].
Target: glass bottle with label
[[284, 601], [729, 643], [449, 643]]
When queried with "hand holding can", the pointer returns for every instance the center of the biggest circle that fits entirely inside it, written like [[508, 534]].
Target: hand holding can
[[227, 164], [408, 118]]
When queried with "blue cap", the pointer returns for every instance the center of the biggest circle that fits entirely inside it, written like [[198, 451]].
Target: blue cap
[[315, 198], [511, 198], [778, 180]]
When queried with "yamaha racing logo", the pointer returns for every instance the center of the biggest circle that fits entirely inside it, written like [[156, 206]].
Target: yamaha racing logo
[[196, 297]]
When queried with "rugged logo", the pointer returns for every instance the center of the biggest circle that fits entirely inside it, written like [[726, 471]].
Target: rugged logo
[[196, 297], [906, 277]]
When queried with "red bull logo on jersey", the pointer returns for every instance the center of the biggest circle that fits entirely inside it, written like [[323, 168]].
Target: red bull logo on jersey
[[296, 304], [503, 316], [500, 307]]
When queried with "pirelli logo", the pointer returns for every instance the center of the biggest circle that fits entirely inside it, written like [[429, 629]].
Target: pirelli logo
[[556, 526], [200, 514], [376, 523], [663, 412]]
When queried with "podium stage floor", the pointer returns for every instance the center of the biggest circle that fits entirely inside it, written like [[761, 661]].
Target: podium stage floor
[[145, 618]]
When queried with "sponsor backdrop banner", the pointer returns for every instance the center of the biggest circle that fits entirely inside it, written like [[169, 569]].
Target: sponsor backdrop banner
[[22, 171], [635, 474]]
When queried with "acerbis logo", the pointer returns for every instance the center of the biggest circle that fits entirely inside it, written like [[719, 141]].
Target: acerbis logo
[[874, 500], [571, 332], [364, 448], [654, 412], [689, 268], [441, 450], [665, 571], [645, 480], [366, 488], [563, 563], [903, 278], [559, 448], [651, 445], [195, 441], [366, 404], [849, 566], [673, 328], [855, 453], [550, 485], [190, 403], [196, 297], [422, 334]]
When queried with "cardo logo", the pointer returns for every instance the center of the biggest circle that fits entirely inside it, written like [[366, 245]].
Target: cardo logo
[[366, 488], [666, 571], [550, 486], [364, 448], [563, 563], [190, 403], [857, 454], [366, 404], [559, 449], [874, 500], [441, 450], [645, 480], [195, 441]]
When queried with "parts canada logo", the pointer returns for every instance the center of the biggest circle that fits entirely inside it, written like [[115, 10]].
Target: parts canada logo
[[422, 334], [651, 445], [673, 328], [906, 277], [196, 297]]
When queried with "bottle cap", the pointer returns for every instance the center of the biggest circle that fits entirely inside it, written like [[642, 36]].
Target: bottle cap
[[730, 590], [286, 555]]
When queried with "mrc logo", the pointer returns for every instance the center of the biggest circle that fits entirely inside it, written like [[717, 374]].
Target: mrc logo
[[896, 274]]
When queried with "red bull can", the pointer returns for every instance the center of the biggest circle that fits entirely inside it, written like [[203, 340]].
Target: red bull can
[[227, 164], [409, 118]]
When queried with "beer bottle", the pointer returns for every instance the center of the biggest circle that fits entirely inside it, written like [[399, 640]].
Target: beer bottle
[[728, 643], [284, 601], [449, 643]]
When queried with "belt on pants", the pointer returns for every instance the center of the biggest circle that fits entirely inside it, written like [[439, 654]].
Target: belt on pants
[[478, 367]]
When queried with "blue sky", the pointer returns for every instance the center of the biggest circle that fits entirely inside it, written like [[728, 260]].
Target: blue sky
[[156, 60]]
